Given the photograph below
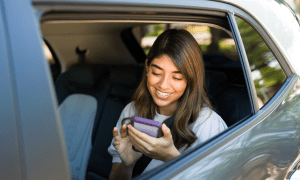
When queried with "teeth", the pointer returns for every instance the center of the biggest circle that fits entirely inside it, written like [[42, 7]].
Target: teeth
[[163, 94]]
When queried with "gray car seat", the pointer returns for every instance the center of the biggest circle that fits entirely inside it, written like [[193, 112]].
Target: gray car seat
[[124, 80], [81, 92]]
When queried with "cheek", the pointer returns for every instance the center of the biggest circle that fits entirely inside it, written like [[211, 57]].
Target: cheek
[[152, 80], [180, 87]]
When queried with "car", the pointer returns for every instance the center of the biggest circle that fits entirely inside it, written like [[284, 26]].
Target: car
[[57, 115]]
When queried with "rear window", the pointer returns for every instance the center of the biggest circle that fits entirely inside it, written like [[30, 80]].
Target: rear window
[[210, 39], [266, 72]]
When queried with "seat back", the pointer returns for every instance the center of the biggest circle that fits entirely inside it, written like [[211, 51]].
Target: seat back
[[78, 113], [233, 104], [82, 78], [81, 93], [124, 80]]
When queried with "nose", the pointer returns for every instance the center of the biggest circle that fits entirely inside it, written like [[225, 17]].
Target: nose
[[165, 82]]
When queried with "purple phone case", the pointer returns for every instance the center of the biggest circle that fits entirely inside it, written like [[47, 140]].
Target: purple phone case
[[150, 127]]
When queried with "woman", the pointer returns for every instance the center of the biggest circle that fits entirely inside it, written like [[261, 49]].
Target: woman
[[172, 85]]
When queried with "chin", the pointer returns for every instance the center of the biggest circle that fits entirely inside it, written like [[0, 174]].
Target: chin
[[163, 103]]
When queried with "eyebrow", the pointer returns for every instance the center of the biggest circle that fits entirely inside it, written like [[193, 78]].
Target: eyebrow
[[154, 65]]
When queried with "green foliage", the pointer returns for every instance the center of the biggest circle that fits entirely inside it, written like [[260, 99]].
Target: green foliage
[[146, 50], [155, 30], [226, 48], [260, 58], [203, 47]]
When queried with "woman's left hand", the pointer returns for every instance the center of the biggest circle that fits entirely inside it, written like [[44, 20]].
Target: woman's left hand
[[161, 148]]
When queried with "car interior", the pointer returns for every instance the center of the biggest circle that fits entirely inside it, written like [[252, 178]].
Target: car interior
[[98, 60]]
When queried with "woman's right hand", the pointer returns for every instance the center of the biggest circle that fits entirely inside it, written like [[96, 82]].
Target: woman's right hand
[[124, 147]]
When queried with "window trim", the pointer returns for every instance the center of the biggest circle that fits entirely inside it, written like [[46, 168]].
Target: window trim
[[272, 44], [244, 62], [278, 55]]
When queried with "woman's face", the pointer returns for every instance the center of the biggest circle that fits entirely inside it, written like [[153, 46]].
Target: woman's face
[[165, 83]]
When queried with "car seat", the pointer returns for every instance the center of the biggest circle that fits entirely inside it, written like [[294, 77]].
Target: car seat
[[81, 92]]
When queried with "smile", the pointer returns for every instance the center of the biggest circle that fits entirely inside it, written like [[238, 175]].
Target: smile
[[163, 94]]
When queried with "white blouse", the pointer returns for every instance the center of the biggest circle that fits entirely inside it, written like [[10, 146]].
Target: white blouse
[[207, 125]]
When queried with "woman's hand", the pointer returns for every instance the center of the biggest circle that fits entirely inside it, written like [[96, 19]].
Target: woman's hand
[[124, 147], [157, 148]]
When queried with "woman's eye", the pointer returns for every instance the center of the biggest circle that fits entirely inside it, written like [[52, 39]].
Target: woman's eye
[[155, 74], [177, 78]]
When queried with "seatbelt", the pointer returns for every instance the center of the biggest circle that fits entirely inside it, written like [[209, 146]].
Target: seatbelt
[[143, 162]]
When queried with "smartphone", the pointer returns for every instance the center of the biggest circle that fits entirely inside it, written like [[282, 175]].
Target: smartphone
[[147, 126], [150, 127]]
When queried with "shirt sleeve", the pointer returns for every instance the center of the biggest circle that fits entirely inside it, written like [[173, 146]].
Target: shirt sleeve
[[127, 112], [207, 125]]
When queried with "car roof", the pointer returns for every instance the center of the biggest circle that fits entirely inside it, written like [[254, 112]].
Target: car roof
[[275, 16]]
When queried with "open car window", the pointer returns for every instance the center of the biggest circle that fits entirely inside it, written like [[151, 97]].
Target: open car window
[[106, 51], [210, 39], [228, 89], [48, 54]]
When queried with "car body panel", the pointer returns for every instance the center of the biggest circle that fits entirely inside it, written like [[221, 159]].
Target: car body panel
[[9, 167], [37, 127]]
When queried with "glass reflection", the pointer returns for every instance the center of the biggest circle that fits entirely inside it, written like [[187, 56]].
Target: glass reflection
[[265, 69]]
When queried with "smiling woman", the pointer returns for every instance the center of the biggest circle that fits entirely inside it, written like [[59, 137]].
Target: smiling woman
[[166, 84], [172, 85]]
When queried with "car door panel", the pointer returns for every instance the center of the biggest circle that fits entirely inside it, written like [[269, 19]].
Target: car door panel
[[10, 164], [40, 144]]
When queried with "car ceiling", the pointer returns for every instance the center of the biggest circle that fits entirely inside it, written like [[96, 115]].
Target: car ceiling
[[100, 34], [101, 40]]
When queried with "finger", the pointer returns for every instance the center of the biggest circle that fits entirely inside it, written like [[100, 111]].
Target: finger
[[140, 135], [141, 142], [116, 143], [116, 134], [123, 131], [166, 131], [137, 145]]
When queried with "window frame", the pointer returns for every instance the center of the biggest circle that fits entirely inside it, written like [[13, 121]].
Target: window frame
[[279, 56], [11, 155], [272, 44], [244, 62]]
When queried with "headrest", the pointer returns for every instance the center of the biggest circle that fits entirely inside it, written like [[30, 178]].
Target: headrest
[[214, 80], [124, 75], [86, 75]]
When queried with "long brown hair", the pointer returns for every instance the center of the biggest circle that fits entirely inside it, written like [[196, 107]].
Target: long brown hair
[[186, 55]]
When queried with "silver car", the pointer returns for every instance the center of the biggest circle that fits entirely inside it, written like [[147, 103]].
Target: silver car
[[96, 49]]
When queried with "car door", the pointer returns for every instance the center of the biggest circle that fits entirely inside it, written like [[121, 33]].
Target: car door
[[31, 138], [261, 146], [266, 145]]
